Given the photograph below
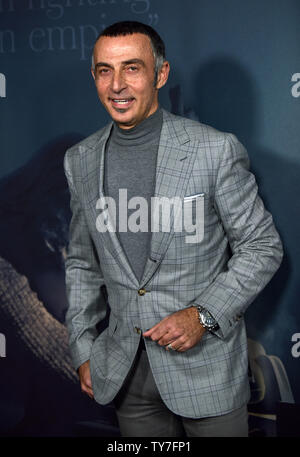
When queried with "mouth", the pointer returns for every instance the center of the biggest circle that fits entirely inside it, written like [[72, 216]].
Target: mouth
[[121, 103]]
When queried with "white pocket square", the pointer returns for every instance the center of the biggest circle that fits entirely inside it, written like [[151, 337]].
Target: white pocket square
[[193, 197]]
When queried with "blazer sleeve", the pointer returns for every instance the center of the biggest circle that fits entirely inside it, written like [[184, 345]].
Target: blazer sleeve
[[84, 279], [255, 244]]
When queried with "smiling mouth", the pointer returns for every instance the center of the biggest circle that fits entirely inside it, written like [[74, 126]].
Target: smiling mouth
[[121, 102]]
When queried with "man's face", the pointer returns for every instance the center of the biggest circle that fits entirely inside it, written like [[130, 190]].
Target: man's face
[[124, 77]]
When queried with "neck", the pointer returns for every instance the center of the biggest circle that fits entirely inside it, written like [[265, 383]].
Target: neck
[[142, 133]]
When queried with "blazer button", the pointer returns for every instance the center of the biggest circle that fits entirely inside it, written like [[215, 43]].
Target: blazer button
[[138, 330], [141, 291]]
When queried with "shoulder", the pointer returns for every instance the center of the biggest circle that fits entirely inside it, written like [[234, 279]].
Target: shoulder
[[198, 131], [212, 147], [89, 142], [87, 147]]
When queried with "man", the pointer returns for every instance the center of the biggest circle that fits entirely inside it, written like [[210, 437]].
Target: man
[[174, 356]]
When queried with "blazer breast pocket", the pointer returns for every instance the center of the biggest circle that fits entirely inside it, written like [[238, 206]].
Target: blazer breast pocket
[[191, 225]]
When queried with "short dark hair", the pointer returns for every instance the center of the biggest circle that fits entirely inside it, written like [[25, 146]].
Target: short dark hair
[[129, 28]]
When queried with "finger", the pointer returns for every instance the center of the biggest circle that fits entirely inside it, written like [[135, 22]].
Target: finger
[[88, 382], [165, 339], [87, 390], [85, 380], [158, 333], [149, 332], [168, 348], [176, 344], [185, 346], [171, 348], [167, 333], [158, 337], [170, 337]]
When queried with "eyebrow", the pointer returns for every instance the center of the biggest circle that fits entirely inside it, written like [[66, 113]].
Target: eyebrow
[[126, 62]]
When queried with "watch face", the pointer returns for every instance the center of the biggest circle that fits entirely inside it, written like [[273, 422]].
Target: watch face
[[207, 319]]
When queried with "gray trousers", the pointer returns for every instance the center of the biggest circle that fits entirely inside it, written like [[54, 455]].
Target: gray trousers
[[142, 413]]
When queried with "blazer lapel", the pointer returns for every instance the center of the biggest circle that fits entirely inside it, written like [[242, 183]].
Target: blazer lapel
[[174, 165], [93, 182]]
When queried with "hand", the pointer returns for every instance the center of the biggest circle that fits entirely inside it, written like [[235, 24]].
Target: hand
[[182, 329], [85, 379]]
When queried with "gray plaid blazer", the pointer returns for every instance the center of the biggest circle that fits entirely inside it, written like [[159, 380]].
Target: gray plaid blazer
[[224, 271]]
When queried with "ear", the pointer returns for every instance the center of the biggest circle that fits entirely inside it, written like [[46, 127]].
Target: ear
[[163, 75], [93, 72]]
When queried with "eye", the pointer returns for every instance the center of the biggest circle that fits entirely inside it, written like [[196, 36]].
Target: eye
[[103, 71], [132, 68]]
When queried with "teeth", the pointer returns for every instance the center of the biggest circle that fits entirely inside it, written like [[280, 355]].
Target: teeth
[[121, 101]]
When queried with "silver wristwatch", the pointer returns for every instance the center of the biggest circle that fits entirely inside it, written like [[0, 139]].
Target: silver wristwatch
[[206, 319]]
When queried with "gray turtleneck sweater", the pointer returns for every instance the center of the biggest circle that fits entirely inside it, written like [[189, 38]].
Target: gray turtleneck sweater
[[130, 163]]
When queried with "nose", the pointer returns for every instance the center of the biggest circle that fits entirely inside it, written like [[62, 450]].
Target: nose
[[118, 82]]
